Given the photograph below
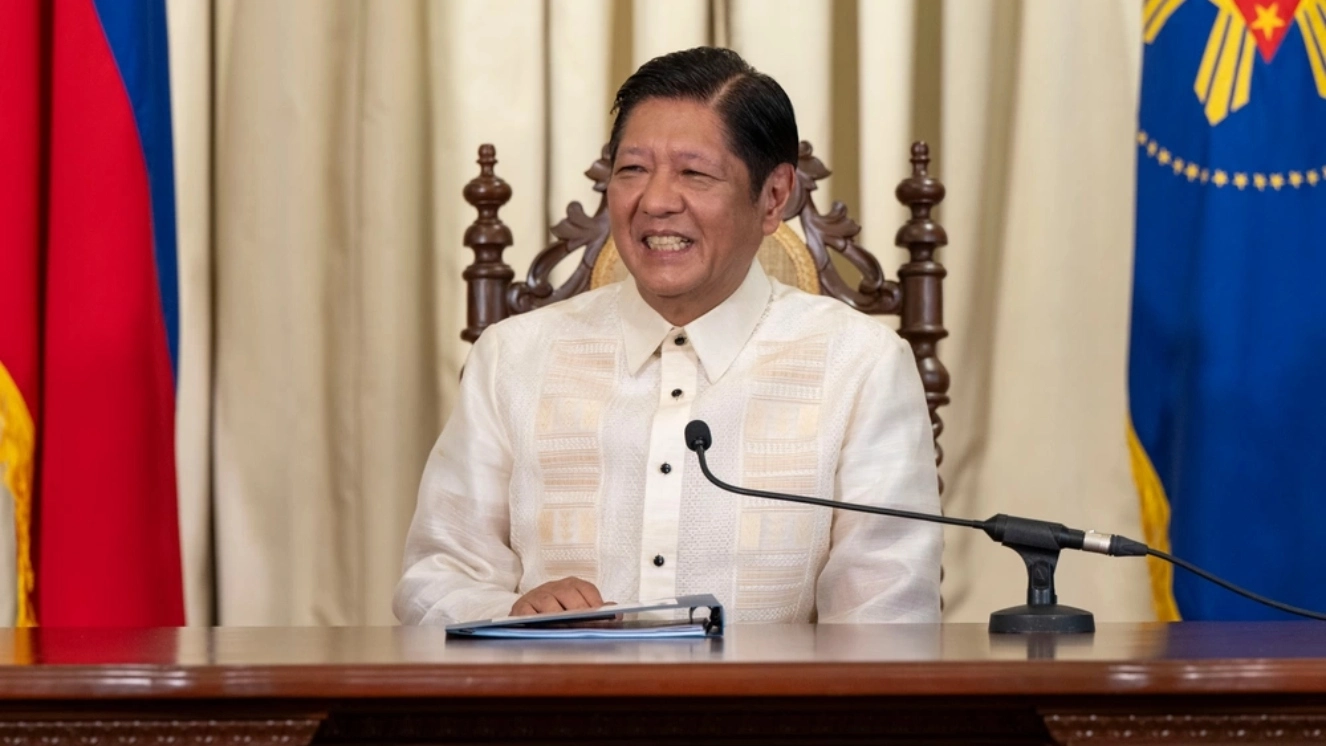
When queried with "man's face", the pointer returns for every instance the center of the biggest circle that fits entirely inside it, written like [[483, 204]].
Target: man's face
[[680, 208]]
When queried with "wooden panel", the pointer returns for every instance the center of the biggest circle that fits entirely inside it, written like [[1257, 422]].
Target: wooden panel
[[111, 730], [764, 661], [1073, 729], [774, 684]]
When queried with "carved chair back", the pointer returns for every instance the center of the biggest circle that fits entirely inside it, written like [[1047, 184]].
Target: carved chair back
[[916, 296]]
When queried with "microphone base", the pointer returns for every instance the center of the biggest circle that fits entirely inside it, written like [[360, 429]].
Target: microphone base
[[1052, 618]]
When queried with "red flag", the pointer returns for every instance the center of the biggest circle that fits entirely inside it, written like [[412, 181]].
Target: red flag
[[21, 147], [107, 529]]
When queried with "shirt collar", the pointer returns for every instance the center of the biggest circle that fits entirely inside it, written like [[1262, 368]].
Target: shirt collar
[[717, 336]]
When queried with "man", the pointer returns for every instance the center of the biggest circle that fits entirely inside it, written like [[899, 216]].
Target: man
[[563, 480]]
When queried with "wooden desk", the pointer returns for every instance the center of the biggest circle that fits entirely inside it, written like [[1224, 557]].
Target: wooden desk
[[1127, 683]]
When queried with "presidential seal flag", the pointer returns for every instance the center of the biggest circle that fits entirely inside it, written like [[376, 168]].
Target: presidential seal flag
[[1227, 364]]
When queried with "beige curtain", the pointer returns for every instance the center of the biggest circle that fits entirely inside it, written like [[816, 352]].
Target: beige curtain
[[322, 150], [1037, 117]]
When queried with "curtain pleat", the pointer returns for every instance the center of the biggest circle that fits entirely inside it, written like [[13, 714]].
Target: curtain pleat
[[191, 25]]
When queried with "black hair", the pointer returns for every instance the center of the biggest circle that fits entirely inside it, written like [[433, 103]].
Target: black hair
[[756, 112]]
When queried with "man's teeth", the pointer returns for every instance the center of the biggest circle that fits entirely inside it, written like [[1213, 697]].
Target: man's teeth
[[667, 243]]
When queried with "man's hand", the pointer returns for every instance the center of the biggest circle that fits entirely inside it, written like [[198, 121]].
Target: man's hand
[[567, 594]]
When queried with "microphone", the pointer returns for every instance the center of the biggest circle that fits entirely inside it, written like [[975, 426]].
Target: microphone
[[1037, 542], [1006, 529]]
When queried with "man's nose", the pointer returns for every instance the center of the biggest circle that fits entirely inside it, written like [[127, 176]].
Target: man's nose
[[661, 196]]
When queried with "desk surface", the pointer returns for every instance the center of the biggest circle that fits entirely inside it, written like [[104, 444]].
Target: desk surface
[[751, 661]]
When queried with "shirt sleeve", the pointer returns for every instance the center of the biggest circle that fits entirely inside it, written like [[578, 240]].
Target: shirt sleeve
[[459, 565], [883, 569]]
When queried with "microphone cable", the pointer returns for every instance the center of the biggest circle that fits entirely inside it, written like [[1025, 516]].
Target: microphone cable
[[1199, 572], [699, 440]]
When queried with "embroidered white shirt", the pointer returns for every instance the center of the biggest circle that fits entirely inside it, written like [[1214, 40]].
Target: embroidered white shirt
[[565, 456]]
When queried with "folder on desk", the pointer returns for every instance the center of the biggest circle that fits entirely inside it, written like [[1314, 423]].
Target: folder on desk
[[693, 616]]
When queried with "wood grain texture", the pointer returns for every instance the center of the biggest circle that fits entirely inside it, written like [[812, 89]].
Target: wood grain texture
[[765, 684], [752, 660]]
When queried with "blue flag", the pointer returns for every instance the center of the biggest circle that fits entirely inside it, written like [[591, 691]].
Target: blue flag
[[1227, 366]]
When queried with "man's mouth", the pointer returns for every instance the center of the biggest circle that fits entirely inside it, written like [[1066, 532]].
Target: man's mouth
[[667, 243]]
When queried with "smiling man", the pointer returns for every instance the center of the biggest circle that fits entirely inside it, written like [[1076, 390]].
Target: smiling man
[[562, 481]]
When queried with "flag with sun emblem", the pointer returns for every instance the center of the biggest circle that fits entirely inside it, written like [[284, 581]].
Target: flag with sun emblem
[[1227, 367]]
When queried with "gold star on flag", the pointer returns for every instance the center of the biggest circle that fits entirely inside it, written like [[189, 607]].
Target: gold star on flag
[[1141, 138], [1151, 148], [1220, 178], [1259, 181], [1163, 157], [1178, 166], [1312, 178], [1295, 179], [1277, 181], [1240, 180], [1191, 172], [1206, 175], [1268, 20]]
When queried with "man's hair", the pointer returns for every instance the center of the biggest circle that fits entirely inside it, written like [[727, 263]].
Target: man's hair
[[756, 112]]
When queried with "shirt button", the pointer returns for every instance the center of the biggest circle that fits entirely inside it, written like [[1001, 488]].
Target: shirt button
[[658, 560], [676, 393], [666, 468], [680, 340]]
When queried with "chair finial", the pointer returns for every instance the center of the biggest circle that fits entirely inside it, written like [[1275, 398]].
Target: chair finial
[[487, 192], [601, 170], [923, 284], [487, 278], [920, 192], [487, 159], [920, 158]]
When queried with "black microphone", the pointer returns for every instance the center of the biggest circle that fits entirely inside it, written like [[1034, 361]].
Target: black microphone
[[1006, 529], [1037, 542]]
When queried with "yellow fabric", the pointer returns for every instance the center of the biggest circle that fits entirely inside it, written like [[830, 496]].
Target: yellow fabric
[[1155, 527], [783, 255], [17, 447]]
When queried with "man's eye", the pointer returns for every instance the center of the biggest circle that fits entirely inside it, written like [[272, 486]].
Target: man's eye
[[630, 169], [693, 172]]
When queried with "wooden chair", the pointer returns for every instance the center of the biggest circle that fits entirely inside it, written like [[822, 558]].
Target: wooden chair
[[916, 297]]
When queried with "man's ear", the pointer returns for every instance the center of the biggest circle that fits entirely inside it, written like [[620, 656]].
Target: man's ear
[[777, 190]]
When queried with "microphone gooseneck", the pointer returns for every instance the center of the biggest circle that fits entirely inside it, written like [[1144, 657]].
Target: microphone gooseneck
[[704, 467], [1037, 542]]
